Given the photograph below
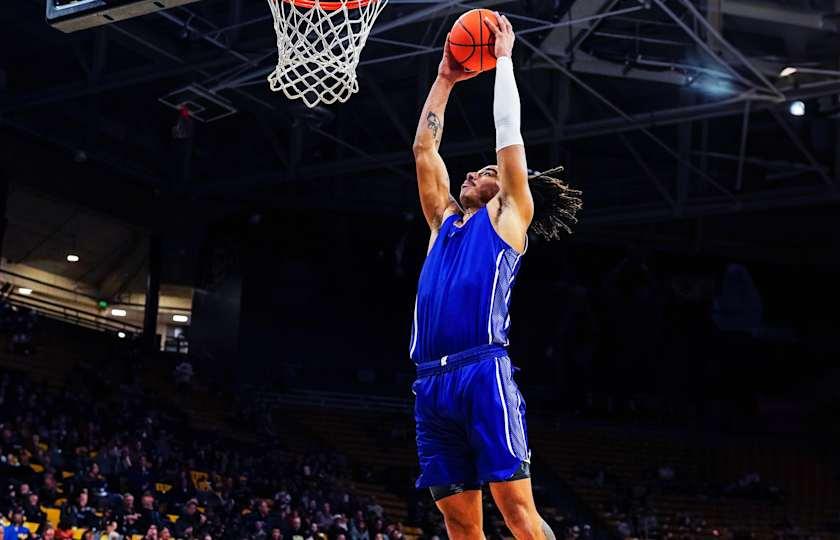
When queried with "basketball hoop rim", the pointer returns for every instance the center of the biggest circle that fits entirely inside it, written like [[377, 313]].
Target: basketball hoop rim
[[330, 6]]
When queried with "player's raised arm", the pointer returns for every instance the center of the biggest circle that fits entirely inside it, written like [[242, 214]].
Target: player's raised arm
[[432, 178], [510, 149]]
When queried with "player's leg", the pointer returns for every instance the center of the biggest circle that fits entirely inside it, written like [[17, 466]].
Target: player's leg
[[446, 463], [499, 438], [461, 512], [515, 500]]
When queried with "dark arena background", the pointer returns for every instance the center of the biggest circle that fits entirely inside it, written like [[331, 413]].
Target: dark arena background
[[207, 288]]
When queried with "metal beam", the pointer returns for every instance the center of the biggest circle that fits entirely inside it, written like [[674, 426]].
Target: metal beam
[[209, 39], [122, 79], [657, 183], [703, 45], [564, 42], [702, 174], [120, 165], [685, 140], [780, 198], [385, 102], [581, 130], [765, 11], [361, 152], [440, 10], [759, 162], [249, 79], [794, 138], [745, 128], [729, 48]]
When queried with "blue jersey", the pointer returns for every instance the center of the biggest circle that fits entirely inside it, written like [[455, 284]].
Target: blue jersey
[[464, 290]]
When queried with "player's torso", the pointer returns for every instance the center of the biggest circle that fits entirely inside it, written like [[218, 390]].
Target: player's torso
[[464, 290]]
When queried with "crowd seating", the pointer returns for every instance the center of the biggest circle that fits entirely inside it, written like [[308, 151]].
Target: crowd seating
[[616, 471], [197, 423]]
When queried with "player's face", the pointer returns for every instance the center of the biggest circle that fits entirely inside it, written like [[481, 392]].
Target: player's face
[[480, 186]]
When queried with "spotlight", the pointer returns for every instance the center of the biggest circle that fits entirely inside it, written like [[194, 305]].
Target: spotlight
[[25, 291], [72, 257], [180, 318], [788, 71], [119, 312], [121, 335], [797, 108]]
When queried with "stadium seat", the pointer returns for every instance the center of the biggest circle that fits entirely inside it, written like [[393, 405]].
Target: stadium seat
[[53, 515]]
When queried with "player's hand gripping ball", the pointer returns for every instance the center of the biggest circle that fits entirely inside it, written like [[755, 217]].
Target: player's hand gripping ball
[[478, 37]]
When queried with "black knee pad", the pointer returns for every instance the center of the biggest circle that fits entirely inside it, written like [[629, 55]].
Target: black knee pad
[[524, 471]]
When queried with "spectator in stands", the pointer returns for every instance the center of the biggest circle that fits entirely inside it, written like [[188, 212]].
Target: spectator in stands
[[49, 490], [183, 489], [315, 533], [623, 528], [324, 517], [149, 516], [140, 476], [127, 516], [151, 533], [33, 512], [296, 530], [80, 515], [16, 527], [183, 375], [111, 531], [23, 494], [665, 473], [127, 437], [93, 482], [64, 530], [359, 530], [190, 518], [49, 534], [261, 519]]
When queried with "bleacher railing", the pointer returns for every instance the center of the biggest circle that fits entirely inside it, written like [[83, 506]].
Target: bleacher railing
[[61, 311]]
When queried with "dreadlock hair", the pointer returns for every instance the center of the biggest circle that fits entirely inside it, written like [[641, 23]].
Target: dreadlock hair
[[555, 204]]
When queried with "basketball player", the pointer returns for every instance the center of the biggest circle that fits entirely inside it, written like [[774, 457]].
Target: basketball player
[[469, 411]]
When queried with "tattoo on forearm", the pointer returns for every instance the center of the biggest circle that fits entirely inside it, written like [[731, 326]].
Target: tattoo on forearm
[[433, 123]]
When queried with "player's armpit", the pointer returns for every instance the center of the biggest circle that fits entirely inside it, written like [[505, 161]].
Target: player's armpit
[[513, 177]]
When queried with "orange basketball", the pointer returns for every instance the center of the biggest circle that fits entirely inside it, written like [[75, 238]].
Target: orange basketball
[[471, 42]]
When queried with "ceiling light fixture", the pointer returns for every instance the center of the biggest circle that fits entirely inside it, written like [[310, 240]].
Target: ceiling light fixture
[[797, 108]]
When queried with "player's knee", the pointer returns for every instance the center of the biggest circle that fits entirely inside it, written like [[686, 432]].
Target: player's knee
[[524, 523], [460, 526]]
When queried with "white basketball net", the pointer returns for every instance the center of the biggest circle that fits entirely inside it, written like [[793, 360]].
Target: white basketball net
[[318, 50]]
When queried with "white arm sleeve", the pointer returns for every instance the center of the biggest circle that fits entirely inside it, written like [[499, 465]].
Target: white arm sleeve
[[506, 105]]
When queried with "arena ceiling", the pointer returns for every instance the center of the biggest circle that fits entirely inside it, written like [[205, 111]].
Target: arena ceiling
[[661, 110]]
